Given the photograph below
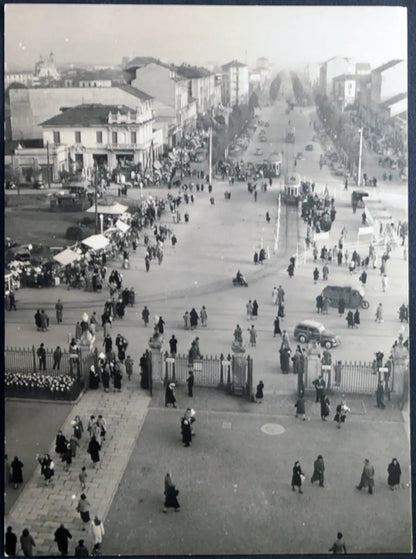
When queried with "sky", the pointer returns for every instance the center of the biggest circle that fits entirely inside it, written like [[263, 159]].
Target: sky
[[289, 36]]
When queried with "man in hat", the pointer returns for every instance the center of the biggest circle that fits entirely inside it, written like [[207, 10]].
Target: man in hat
[[367, 477]]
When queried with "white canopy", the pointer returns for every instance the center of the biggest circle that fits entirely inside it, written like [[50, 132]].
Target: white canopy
[[66, 257], [123, 227], [96, 242], [114, 209]]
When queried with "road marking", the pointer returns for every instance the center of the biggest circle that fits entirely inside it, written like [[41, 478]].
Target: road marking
[[272, 429], [226, 425]]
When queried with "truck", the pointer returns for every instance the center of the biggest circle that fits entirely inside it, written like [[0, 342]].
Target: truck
[[290, 135]]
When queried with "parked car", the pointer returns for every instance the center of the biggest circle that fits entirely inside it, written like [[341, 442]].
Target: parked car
[[309, 147], [308, 330], [299, 155], [258, 151], [39, 184]]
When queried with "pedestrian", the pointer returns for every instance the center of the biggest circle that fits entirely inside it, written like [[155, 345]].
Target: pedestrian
[[276, 326], [341, 413], [171, 501], [384, 283], [255, 310], [297, 476], [173, 345], [380, 395], [339, 545], [379, 313], [12, 301], [82, 476], [190, 383], [259, 392], [170, 395], [59, 311], [57, 356], [341, 306], [350, 319], [186, 320], [16, 472], [27, 543], [367, 477], [41, 353], [94, 378], [325, 272], [394, 472], [129, 366], [363, 277], [253, 335], [44, 321], [78, 427], [67, 456], [325, 409], [193, 319], [11, 542], [94, 451], [274, 295], [255, 257], [161, 325], [318, 471], [147, 262], [320, 385], [38, 323], [319, 303], [81, 550], [174, 240], [203, 316], [285, 339], [300, 407], [291, 270], [47, 467], [356, 318], [97, 531], [117, 375], [62, 536], [186, 431], [249, 310], [145, 315], [280, 295], [83, 508], [281, 311]]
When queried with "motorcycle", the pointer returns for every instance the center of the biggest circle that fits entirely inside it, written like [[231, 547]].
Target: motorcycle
[[240, 281]]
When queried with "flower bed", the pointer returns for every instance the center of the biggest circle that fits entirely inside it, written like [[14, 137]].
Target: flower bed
[[41, 387]]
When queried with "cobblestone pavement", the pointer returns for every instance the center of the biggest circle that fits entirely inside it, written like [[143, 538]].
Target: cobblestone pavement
[[42, 508]]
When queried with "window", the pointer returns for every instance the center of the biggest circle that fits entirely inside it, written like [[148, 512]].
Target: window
[[56, 138], [99, 137], [114, 137], [134, 137], [77, 137]]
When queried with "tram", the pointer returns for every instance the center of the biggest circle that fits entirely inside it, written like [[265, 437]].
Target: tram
[[292, 192]]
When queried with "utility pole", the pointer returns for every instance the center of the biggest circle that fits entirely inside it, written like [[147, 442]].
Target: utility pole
[[360, 157], [210, 156], [47, 162], [95, 199]]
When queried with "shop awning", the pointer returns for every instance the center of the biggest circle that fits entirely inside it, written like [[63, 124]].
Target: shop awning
[[114, 209], [66, 257], [96, 242], [122, 226]]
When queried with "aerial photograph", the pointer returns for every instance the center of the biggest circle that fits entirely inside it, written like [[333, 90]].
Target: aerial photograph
[[206, 274]]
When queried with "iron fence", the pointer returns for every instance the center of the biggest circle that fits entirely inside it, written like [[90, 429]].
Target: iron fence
[[207, 371], [25, 360]]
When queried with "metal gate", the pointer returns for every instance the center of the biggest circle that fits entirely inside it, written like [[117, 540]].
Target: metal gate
[[207, 371]]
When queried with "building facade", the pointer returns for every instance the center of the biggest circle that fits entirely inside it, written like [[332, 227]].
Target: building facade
[[201, 87], [332, 68], [110, 135], [25, 78], [235, 83]]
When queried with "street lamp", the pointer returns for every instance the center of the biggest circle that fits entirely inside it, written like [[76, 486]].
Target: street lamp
[[360, 156]]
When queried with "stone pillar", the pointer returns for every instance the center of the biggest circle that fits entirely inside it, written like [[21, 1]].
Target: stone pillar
[[400, 386], [238, 381], [155, 344], [313, 368]]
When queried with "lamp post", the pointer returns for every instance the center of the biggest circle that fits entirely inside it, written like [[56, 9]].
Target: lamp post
[[360, 156]]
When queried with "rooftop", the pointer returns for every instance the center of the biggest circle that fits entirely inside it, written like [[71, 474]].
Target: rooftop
[[140, 61], [191, 72], [86, 115], [233, 63]]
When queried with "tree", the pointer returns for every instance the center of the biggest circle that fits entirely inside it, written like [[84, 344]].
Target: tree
[[253, 102]]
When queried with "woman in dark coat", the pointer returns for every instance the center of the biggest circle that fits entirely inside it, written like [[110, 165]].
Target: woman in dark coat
[[38, 321], [60, 443], [11, 542], [170, 395], [108, 344], [17, 471], [117, 376], [281, 311], [186, 431], [94, 378], [105, 376], [356, 318], [300, 407], [67, 457], [47, 467], [171, 500], [297, 477], [259, 392], [78, 427], [291, 270], [324, 407], [62, 535], [350, 319], [284, 359], [341, 307], [394, 472], [120, 306], [276, 327], [193, 318], [94, 450], [255, 311], [315, 275], [161, 325]]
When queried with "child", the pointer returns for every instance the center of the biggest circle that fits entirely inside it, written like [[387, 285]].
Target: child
[[129, 366], [83, 477]]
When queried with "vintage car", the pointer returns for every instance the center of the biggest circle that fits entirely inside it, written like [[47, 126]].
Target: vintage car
[[353, 296], [309, 330]]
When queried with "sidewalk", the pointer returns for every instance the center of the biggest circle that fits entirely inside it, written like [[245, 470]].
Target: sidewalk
[[42, 508]]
